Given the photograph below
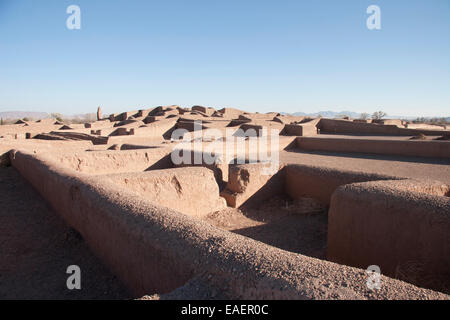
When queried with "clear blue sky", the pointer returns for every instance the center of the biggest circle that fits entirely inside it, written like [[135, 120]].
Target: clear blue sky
[[259, 55]]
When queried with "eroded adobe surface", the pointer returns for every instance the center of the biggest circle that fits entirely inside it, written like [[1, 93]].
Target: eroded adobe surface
[[344, 195]]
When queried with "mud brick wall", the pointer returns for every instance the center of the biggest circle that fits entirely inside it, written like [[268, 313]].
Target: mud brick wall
[[429, 149], [401, 226], [320, 183], [192, 191]]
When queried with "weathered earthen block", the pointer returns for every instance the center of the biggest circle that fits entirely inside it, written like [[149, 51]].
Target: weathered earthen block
[[177, 189], [250, 183]]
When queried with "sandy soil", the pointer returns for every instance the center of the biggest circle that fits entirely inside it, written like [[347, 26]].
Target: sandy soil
[[36, 247], [298, 226]]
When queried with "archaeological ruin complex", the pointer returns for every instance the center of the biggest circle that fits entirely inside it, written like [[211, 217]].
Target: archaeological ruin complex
[[209, 203]]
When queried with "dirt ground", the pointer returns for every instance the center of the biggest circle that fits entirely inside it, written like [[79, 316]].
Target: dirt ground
[[36, 247], [298, 226]]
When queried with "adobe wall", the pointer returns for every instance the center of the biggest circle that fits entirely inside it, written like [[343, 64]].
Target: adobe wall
[[401, 226], [38, 146], [132, 139], [250, 184], [99, 124], [154, 249], [196, 158], [31, 127], [103, 162], [350, 127], [228, 153], [415, 148], [320, 182], [156, 129], [206, 110], [299, 130], [287, 119], [122, 116], [72, 135], [397, 122], [189, 125], [192, 191], [136, 128], [302, 129], [110, 229], [250, 130]]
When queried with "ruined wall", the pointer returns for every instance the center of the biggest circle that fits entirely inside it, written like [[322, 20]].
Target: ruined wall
[[250, 184], [320, 182], [153, 249], [433, 149], [358, 128], [396, 122], [401, 226], [103, 162], [72, 135], [196, 158], [192, 191], [156, 129], [309, 128], [39, 146], [299, 130], [112, 228]]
